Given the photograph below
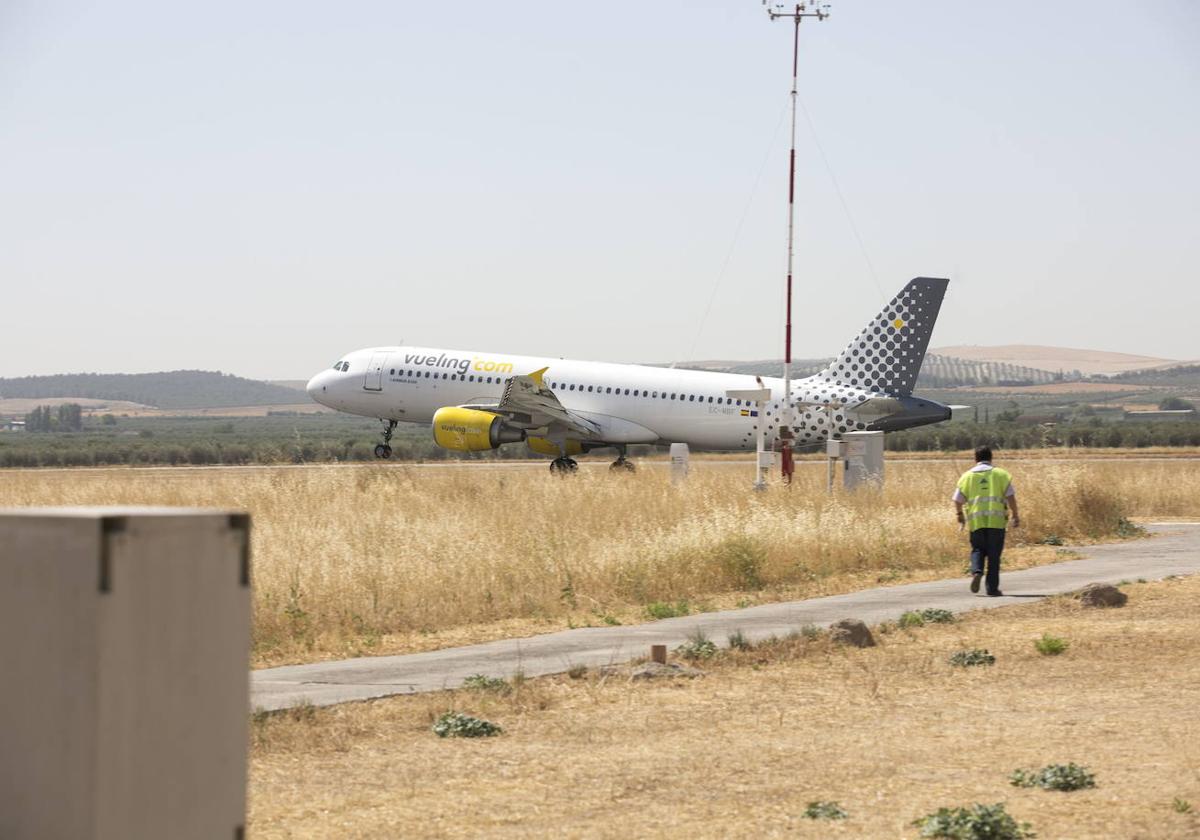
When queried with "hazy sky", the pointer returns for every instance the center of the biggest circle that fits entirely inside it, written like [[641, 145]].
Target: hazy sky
[[261, 187]]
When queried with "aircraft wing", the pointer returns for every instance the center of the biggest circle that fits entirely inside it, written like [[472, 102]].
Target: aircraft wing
[[528, 404]]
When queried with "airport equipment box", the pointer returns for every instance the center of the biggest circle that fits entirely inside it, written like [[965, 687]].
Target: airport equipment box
[[863, 454], [124, 674]]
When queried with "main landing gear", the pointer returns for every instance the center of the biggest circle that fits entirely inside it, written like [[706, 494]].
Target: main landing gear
[[622, 464], [384, 450], [563, 465]]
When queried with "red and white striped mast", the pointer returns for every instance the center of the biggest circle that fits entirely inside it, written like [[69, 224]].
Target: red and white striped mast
[[787, 417]]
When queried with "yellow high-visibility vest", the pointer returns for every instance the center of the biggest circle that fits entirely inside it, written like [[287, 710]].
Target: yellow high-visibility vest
[[985, 497]]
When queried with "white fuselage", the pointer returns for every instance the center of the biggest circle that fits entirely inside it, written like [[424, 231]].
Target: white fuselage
[[866, 387], [631, 403]]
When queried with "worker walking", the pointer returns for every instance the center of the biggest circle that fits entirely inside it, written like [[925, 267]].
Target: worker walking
[[987, 494]]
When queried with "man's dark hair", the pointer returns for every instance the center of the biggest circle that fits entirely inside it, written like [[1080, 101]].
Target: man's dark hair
[[983, 453]]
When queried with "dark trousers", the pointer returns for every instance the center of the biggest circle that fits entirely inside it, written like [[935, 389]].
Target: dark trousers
[[987, 542]]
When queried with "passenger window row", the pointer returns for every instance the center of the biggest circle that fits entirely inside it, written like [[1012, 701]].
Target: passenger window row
[[563, 386], [653, 395], [460, 377]]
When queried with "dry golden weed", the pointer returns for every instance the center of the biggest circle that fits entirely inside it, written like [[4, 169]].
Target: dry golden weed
[[389, 558], [891, 733]]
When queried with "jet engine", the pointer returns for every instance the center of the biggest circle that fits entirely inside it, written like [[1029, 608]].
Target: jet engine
[[470, 430]]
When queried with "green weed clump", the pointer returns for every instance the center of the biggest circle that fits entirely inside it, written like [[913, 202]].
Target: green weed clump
[[974, 656], [937, 616], [1054, 777], [822, 810], [698, 646], [664, 609], [1127, 529], [917, 618], [481, 682], [1181, 806], [458, 725], [738, 641], [1050, 645], [979, 822]]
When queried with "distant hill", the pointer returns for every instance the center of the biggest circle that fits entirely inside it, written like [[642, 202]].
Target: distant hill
[[1176, 376], [940, 371], [176, 389], [1007, 365], [1054, 359]]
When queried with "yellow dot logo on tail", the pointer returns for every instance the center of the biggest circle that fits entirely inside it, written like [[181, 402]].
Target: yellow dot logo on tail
[[898, 323]]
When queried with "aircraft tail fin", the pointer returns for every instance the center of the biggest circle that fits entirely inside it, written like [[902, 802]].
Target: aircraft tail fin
[[886, 356]]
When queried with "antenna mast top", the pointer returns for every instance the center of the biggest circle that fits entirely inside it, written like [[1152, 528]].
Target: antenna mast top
[[801, 10], [797, 12]]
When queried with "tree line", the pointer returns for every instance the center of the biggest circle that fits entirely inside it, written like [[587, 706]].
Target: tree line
[[68, 417], [1125, 435]]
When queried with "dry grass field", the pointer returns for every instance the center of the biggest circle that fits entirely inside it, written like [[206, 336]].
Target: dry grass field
[[380, 559], [891, 733]]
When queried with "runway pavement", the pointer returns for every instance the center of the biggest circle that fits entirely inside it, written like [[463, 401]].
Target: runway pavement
[[744, 462], [1173, 550]]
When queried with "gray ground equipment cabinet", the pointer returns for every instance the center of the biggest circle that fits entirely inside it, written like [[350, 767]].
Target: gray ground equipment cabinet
[[862, 454], [124, 640]]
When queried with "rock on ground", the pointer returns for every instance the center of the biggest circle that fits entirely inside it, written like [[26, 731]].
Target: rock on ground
[[851, 631], [1102, 595]]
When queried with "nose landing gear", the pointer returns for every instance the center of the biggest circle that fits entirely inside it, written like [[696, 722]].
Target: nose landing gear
[[384, 450], [563, 466]]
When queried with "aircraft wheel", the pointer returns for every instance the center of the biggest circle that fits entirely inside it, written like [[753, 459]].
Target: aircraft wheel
[[383, 451], [622, 465], [563, 466]]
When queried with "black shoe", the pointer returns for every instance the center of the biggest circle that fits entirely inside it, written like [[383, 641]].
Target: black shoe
[[975, 578], [995, 594]]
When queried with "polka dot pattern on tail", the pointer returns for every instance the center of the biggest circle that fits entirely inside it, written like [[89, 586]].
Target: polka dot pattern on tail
[[886, 357]]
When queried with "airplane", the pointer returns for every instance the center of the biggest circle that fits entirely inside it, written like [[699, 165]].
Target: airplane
[[479, 401]]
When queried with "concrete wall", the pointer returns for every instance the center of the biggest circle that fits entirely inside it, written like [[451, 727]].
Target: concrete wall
[[124, 641]]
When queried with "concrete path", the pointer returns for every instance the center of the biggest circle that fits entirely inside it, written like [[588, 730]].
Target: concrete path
[[1174, 550]]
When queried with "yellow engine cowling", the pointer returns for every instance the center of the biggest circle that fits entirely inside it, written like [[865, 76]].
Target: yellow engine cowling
[[469, 430], [544, 447]]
